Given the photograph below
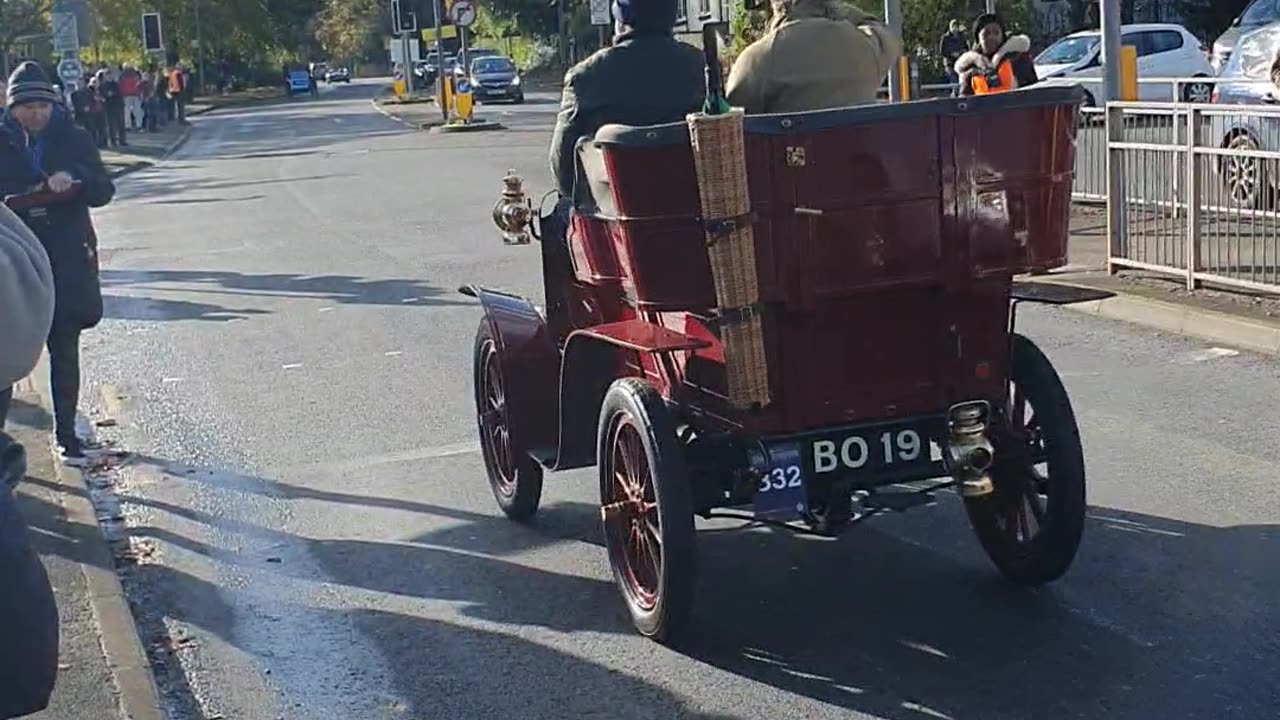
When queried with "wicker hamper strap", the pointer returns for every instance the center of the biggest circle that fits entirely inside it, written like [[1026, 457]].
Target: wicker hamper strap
[[736, 315], [719, 228]]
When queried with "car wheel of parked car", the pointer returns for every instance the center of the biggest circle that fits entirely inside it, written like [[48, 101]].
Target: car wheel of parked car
[[1246, 180], [1197, 93]]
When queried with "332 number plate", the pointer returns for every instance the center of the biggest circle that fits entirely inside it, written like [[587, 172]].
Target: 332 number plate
[[780, 493]]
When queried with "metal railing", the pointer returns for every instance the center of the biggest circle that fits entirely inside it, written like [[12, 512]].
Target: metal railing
[[1193, 190], [1090, 185]]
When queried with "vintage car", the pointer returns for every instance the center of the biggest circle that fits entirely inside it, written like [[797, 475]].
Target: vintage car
[[887, 239]]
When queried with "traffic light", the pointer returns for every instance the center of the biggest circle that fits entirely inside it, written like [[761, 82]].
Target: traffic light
[[151, 39], [403, 19]]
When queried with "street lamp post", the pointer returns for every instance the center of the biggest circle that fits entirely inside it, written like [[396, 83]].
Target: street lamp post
[[893, 18], [199, 47]]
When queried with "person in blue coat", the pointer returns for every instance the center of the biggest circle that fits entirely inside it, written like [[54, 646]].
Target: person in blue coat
[[58, 155]]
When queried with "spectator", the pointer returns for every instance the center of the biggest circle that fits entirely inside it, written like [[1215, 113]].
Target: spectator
[[150, 108], [25, 277], [951, 47], [60, 154], [177, 95], [112, 107], [999, 62], [131, 89], [96, 115]]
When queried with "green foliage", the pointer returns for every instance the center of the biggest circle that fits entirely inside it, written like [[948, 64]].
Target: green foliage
[[19, 18]]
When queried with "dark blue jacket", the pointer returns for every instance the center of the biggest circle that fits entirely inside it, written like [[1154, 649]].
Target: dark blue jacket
[[28, 612], [65, 230]]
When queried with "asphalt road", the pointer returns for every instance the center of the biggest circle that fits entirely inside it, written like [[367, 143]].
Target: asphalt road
[[285, 350]]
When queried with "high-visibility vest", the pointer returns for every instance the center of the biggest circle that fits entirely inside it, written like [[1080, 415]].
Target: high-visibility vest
[[175, 82], [1004, 76]]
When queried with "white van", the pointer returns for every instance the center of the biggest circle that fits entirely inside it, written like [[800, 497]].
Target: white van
[[1165, 50]]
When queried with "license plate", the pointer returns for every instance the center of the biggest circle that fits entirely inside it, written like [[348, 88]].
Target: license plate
[[780, 493], [898, 450]]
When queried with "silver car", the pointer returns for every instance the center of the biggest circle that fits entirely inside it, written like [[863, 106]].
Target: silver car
[[1256, 14], [1249, 78]]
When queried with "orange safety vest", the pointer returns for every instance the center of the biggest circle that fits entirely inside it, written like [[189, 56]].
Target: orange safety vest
[[982, 85], [175, 82]]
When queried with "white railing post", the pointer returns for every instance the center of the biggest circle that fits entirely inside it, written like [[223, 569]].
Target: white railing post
[[1117, 190], [1194, 191]]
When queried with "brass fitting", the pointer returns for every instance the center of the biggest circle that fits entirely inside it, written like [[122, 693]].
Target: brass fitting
[[968, 449], [513, 212]]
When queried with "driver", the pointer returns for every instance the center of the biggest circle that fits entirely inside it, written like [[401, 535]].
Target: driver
[[646, 77]]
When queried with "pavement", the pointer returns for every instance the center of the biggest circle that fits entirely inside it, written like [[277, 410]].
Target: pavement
[[103, 672], [311, 534], [145, 148], [1239, 319]]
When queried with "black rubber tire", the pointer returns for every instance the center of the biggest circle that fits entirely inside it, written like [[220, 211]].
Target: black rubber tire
[[639, 402], [1049, 553], [518, 498]]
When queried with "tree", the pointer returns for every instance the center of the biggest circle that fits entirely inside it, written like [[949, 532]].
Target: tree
[[19, 19], [346, 28]]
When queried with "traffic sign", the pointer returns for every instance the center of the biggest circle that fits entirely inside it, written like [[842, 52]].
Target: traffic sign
[[70, 70], [600, 12], [463, 13], [66, 33]]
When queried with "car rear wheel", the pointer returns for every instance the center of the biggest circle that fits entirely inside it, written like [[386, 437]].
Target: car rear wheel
[[1197, 93], [1246, 179]]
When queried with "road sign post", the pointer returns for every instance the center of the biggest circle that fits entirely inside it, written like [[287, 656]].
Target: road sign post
[[600, 18]]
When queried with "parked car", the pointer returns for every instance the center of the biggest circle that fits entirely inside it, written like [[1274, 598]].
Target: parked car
[[1165, 50], [1248, 78], [299, 82], [1255, 15], [496, 78], [336, 75]]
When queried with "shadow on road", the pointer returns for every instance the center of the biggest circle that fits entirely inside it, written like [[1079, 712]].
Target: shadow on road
[[1159, 618], [128, 307], [341, 289]]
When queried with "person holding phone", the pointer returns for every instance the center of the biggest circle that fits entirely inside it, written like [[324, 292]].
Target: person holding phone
[[63, 159]]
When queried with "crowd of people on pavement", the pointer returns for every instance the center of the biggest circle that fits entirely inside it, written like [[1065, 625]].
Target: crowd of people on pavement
[[112, 102], [51, 172]]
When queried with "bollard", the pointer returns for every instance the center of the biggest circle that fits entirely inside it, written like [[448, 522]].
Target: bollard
[[1128, 73]]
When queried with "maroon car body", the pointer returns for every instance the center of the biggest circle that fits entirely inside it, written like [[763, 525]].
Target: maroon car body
[[887, 238]]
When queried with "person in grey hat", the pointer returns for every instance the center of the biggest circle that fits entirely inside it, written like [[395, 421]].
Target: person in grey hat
[[61, 157]]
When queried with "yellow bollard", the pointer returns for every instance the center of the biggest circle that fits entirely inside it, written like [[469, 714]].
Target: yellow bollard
[[1128, 73], [904, 78], [445, 101], [462, 102]]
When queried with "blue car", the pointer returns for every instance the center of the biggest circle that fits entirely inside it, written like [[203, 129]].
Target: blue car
[[299, 82]]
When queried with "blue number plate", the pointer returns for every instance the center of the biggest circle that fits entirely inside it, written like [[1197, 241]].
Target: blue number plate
[[780, 493]]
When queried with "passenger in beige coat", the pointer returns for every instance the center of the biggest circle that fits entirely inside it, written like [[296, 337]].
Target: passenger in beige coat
[[817, 54]]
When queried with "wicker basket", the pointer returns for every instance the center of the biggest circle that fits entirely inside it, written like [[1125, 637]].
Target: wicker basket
[[719, 155]]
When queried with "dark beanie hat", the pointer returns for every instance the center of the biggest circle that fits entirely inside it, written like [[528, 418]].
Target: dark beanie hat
[[29, 84], [647, 15], [984, 20]]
